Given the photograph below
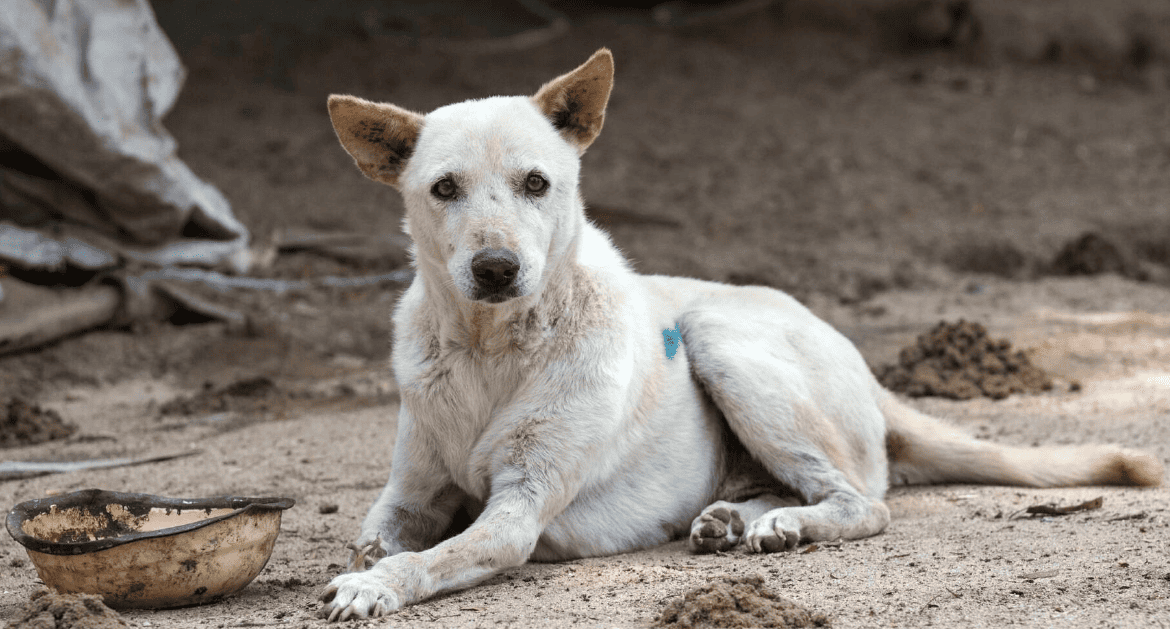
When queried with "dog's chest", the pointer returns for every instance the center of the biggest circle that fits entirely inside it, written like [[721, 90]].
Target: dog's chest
[[459, 405]]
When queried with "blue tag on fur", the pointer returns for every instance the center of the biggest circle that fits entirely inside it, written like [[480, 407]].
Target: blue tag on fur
[[672, 339]]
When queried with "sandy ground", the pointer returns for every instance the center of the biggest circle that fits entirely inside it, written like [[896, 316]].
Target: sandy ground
[[953, 555], [887, 191]]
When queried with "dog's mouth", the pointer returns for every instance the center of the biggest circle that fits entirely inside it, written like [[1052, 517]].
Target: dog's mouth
[[495, 296]]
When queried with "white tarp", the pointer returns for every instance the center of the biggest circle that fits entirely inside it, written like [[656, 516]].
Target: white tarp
[[84, 85]]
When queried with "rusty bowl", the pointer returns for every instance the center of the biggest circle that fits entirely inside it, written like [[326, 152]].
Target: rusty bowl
[[144, 551]]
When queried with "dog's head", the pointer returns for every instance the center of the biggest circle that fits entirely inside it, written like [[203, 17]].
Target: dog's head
[[490, 185]]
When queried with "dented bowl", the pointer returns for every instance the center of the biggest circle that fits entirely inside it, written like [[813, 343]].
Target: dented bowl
[[144, 551]]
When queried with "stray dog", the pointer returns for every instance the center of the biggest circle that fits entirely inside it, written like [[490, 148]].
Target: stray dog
[[575, 408]]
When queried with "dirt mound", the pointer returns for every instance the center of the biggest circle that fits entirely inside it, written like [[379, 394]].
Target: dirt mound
[[24, 424], [1091, 254], [737, 602], [250, 395], [47, 609], [959, 361]]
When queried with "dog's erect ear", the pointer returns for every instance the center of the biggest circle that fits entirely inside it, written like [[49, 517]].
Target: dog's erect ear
[[380, 137], [575, 102]]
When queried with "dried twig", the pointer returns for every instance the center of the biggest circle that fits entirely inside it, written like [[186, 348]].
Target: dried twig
[[16, 470], [1140, 515], [358, 562], [1052, 509], [930, 603]]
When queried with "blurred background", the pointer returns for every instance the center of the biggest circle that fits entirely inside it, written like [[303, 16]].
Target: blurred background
[[835, 149]]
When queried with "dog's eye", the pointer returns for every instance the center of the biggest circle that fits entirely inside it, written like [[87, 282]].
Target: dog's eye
[[444, 188], [535, 184]]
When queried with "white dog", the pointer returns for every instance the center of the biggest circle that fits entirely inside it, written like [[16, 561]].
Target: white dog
[[575, 408]]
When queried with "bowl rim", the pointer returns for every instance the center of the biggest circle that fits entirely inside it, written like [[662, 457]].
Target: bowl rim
[[91, 497]]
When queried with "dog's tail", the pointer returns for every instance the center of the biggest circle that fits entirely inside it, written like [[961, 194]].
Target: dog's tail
[[925, 450]]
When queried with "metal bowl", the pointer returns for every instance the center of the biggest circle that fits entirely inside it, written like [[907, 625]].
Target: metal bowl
[[144, 551]]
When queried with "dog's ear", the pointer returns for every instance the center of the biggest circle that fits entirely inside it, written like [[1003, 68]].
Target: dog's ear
[[380, 137], [575, 102]]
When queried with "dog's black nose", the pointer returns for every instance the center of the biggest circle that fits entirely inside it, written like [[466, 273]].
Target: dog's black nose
[[494, 269]]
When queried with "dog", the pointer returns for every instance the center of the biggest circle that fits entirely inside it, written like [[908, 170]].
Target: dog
[[575, 408]]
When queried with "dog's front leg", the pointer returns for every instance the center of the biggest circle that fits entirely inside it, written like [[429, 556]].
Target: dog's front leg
[[408, 516], [539, 450], [503, 536], [416, 505]]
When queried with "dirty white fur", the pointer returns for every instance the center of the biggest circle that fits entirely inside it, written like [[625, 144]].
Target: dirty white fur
[[560, 418]]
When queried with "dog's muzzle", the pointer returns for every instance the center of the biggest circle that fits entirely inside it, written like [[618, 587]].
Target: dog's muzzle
[[495, 272]]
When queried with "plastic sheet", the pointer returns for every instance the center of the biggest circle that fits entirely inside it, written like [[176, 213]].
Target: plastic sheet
[[84, 85]]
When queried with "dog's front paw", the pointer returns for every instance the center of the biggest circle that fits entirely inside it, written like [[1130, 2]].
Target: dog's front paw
[[772, 532], [358, 595]]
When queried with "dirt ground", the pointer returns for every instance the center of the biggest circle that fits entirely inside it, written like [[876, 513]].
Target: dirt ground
[[888, 190]]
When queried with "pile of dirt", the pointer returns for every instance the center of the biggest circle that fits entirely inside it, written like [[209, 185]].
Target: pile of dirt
[[25, 424], [257, 394], [959, 361], [46, 609], [737, 602], [1092, 254], [260, 398]]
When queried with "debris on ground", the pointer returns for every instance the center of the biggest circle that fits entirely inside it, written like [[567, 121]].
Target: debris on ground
[[1052, 509], [33, 315], [959, 361], [248, 395], [25, 424], [46, 609], [737, 602], [261, 398]]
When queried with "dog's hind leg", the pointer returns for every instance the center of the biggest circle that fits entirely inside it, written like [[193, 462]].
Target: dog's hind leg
[[769, 524], [721, 526], [843, 515], [799, 398]]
